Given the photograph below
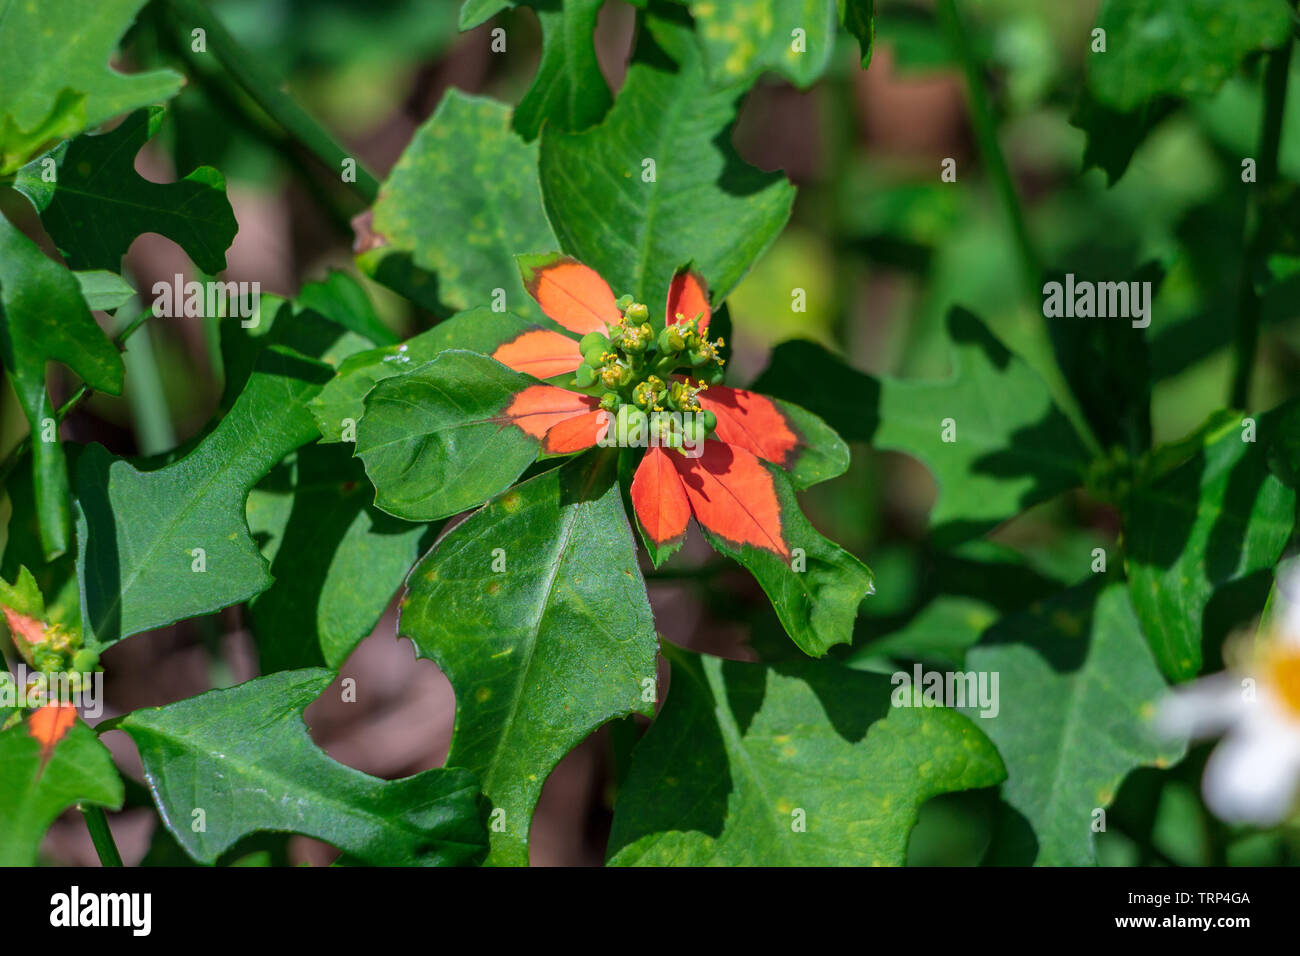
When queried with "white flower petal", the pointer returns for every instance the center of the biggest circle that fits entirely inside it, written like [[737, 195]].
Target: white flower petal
[[1203, 708], [1252, 776]]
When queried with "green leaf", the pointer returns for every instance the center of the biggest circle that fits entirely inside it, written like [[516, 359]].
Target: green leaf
[[436, 440], [55, 75], [799, 764], [569, 91], [544, 651], [341, 299], [1077, 689], [103, 291], [46, 320], [742, 40], [858, 17], [243, 757], [23, 596], [138, 531], [1013, 447], [817, 595], [703, 205], [336, 560], [474, 13], [1214, 520], [461, 202], [33, 792], [1178, 47], [291, 326], [101, 204], [341, 400], [57, 580], [1114, 136], [822, 454]]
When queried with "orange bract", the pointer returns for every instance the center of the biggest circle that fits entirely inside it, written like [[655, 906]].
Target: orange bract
[[577, 433], [540, 407], [688, 296], [573, 295], [659, 498], [50, 724], [733, 495], [751, 421], [541, 353]]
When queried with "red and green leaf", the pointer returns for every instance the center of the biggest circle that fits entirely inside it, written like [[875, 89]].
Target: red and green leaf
[[47, 765], [733, 496], [779, 432], [688, 298], [659, 500], [539, 408], [569, 292], [815, 586], [540, 352]]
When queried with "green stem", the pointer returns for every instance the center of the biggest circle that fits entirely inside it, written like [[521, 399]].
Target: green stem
[[1249, 302], [1039, 352], [986, 136], [224, 94], [147, 397], [265, 89], [100, 834]]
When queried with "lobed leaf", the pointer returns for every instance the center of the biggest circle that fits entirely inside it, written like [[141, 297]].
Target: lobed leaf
[[1215, 520], [535, 609], [100, 204], [462, 200], [701, 203], [243, 757], [797, 764], [1077, 691], [55, 79], [139, 533], [1012, 446]]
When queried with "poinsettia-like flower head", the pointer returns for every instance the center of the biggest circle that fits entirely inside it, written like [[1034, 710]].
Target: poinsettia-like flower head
[[658, 388]]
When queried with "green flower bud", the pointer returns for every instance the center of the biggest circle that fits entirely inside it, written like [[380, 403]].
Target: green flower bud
[[637, 312], [623, 302], [671, 340], [584, 376], [85, 660], [634, 340], [694, 429], [710, 420], [610, 401], [632, 425], [593, 340], [712, 375], [664, 430], [702, 354]]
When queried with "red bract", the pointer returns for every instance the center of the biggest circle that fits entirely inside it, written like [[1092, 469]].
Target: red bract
[[727, 487]]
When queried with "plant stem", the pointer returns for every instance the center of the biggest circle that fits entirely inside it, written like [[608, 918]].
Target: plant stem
[[1039, 352], [223, 93], [1249, 301], [100, 834], [265, 89], [987, 137]]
